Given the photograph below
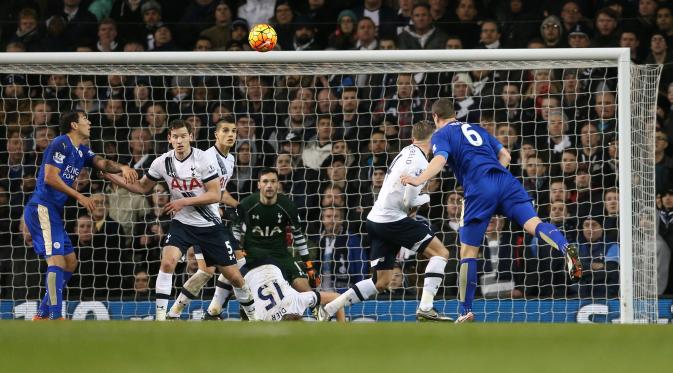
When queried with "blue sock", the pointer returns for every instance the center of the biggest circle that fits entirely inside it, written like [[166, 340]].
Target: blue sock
[[551, 235], [467, 283], [55, 291], [43, 310]]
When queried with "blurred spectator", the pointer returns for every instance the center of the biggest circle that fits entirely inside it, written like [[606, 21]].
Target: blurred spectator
[[129, 16], [343, 37], [591, 152], [629, 39], [664, 228], [490, 35], [28, 32], [579, 37], [256, 11], [664, 21], [406, 104], [660, 55], [304, 36], [599, 254], [262, 151], [551, 31], [163, 40], [141, 287], [152, 19], [464, 103], [506, 262], [140, 149], [403, 18], [85, 96], [218, 34], [466, 28], [80, 24], [107, 36], [384, 18], [518, 23], [365, 35], [195, 18], [606, 29], [422, 34], [343, 261], [318, 148], [156, 121], [571, 15], [282, 23], [536, 180], [663, 168]]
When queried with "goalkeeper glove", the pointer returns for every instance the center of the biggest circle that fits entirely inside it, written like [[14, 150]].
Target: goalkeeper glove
[[313, 276]]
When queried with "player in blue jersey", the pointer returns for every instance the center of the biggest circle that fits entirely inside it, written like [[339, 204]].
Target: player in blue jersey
[[479, 164], [43, 215]]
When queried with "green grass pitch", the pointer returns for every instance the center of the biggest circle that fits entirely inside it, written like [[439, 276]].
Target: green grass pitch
[[123, 346]]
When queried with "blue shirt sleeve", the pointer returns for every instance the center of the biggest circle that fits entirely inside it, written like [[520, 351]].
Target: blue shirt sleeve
[[495, 144], [89, 155], [440, 145], [56, 153]]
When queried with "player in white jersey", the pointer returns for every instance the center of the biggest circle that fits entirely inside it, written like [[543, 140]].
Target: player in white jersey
[[193, 178], [225, 139], [276, 300], [390, 227]]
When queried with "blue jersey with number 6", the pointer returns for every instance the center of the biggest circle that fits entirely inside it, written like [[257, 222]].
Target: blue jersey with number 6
[[469, 150]]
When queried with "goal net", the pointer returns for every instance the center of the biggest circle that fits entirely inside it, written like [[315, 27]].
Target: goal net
[[331, 122]]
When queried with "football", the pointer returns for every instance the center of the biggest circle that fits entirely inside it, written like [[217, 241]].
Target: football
[[262, 37]]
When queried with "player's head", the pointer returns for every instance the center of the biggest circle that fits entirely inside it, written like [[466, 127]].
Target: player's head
[[291, 317], [422, 131], [268, 183], [180, 135], [75, 121], [225, 132], [442, 111]]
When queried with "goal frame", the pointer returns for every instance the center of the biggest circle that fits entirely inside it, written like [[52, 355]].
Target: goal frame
[[619, 58]]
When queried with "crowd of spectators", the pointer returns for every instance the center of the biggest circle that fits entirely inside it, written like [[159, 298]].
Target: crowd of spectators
[[332, 137]]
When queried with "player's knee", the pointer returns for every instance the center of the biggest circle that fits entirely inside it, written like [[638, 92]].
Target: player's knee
[[236, 280], [168, 265], [436, 248], [467, 251]]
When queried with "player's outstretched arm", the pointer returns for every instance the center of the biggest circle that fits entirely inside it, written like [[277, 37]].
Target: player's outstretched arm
[[130, 175], [228, 200], [212, 195], [434, 167], [326, 297], [142, 186], [52, 177]]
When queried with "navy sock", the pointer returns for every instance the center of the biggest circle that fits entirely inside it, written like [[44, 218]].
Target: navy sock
[[55, 291], [551, 235], [43, 310], [467, 283]]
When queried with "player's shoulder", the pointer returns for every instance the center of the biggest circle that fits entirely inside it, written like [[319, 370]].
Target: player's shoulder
[[250, 200], [285, 201], [61, 143]]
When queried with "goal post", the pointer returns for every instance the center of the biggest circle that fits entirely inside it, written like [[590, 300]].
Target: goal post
[[635, 88]]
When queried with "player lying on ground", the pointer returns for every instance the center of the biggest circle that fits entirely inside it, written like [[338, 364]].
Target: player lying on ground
[[266, 216], [276, 300], [62, 162], [389, 227], [194, 181], [479, 164], [225, 139]]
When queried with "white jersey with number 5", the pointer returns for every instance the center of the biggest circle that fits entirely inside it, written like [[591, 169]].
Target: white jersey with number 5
[[274, 297], [187, 178], [389, 206]]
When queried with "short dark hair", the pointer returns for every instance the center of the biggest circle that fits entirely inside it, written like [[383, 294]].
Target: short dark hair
[[223, 120], [267, 170], [443, 108], [176, 124], [67, 118]]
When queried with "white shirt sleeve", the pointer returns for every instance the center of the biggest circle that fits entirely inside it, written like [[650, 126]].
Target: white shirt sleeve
[[154, 172], [412, 194]]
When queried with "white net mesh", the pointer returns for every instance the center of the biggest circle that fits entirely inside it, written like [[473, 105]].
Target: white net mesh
[[558, 118]]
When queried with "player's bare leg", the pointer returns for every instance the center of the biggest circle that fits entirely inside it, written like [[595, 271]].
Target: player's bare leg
[[241, 290], [191, 288], [69, 263], [434, 274], [359, 292], [223, 291], [467, 281], [551, 235], [169, 259]]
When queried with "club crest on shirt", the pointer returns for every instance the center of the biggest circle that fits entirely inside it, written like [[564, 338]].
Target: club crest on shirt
[[59, 157]]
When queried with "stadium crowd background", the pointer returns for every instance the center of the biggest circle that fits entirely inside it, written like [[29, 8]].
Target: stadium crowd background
[[331, 137]]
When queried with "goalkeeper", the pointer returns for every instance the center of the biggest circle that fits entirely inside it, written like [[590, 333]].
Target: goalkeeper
[[264, 218]]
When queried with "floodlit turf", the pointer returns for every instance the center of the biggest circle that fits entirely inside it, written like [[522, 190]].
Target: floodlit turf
[[124, 346]]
